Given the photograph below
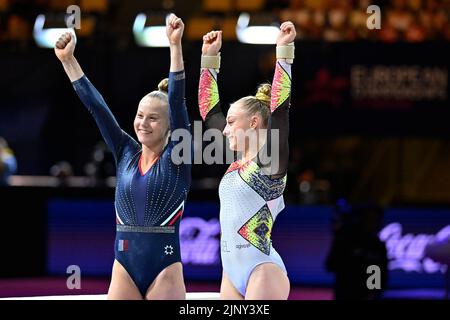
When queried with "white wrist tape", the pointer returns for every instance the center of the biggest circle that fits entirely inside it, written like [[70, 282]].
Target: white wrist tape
[[286, 52], [212, 62]]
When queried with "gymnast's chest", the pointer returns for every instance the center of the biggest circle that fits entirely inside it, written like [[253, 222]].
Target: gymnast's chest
[[161, 175], [247, 182], [234, 189]]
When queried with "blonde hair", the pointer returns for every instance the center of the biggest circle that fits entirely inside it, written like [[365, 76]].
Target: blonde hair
[[162, 92], [259, 103]]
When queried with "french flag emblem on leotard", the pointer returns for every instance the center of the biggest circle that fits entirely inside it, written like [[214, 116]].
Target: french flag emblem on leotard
[[123, 245]]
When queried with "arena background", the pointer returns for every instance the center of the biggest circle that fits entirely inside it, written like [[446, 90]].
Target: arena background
[[369, 125]]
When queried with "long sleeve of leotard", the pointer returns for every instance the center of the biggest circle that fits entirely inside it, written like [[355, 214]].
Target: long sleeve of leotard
[[178, 115], [279, 119], [210, 109], [106, 122], [208, 99]]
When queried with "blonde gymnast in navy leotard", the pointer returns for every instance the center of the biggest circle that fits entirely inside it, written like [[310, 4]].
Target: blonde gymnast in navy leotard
[[151, 189]]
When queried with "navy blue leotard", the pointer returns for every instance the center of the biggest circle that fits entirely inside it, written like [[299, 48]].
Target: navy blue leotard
[[148, 206]]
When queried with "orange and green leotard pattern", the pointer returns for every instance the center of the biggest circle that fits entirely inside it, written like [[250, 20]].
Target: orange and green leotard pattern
[[281, 85], [208, 92]]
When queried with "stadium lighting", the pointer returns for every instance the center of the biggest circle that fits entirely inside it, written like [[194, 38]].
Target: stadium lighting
[[255, 34], [152, 36], [46, 38]]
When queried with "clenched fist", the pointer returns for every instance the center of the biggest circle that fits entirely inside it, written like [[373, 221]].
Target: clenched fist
[[287, 33], [65, 47], [174, 29], [212, 42]]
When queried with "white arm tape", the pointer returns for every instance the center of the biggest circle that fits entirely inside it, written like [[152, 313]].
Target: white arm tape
[[212, 62], [286, 52]]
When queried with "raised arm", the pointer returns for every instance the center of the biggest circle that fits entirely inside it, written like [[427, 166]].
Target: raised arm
[[281, 96], [208, 92], [64, 50], [177, 101], [91, 98]]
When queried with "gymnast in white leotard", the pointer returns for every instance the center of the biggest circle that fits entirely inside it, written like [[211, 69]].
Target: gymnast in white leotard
[[251, 191]]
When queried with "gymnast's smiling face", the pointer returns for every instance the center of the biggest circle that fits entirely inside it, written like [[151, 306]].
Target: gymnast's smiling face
[[151, 123], [243, 124]]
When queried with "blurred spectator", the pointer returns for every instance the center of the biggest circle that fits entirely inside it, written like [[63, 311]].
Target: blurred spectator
[[388, 33], [399, 17], [101, 166], [20, 19], [355, 247], [305, 182], [337, 20], [62, 170], [439, 250], [8, 163], [415, 33], [440, 22]]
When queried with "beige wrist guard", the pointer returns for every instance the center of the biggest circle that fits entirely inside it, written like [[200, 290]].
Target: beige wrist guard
[[212, 62], [286, 52]]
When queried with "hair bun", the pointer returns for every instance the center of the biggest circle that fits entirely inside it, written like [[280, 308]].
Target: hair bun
[[164, 85], [263, 93]]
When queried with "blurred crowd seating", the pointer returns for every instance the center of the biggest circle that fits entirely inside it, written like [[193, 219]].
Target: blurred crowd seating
[[326, 20], [341, 20]]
